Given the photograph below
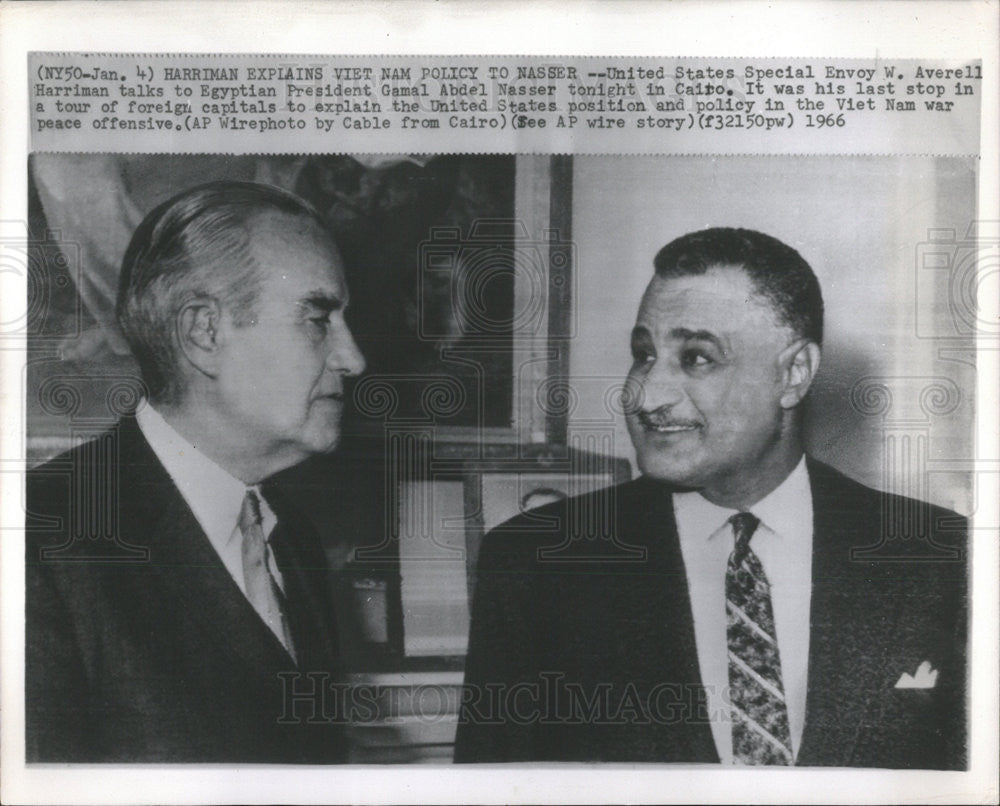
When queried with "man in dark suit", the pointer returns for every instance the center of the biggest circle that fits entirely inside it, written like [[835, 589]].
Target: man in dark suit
[[727, 605], [176, 607]]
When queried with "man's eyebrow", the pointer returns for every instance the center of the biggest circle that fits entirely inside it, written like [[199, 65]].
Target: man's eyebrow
[[684, 334], [323, 301]]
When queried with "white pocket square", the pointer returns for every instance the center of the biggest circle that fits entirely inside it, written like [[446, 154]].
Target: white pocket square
[[925, 677]]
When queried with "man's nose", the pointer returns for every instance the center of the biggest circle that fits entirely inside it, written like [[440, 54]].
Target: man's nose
[[345, 356], [661, 386]]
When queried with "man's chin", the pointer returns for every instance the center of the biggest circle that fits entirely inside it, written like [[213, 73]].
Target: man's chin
[[322, 447], [322, 432], [681, 475], [321, 441]]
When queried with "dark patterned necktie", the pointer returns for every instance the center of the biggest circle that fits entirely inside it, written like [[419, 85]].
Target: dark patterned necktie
[[261, 588], [760, 716]]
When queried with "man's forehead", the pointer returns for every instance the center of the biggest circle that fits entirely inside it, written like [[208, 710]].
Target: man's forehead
[[722, 298], [295, 247], [269, 228]]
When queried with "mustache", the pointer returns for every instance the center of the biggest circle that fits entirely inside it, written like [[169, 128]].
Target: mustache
[[661, 418]]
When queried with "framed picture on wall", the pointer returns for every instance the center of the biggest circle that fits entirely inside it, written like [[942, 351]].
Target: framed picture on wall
[[462, 341]]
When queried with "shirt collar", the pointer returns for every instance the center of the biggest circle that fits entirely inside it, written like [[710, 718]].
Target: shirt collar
[[214, 496], [786, 510]]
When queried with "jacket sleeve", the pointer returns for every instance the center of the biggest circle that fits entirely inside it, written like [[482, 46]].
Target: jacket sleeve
[[498, 664], [58, 723], [955, 704]]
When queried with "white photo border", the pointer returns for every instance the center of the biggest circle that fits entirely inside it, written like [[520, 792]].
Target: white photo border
[[932, 30]]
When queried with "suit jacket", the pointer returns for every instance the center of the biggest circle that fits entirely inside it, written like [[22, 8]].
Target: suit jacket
[[582, 641], [139, 644]]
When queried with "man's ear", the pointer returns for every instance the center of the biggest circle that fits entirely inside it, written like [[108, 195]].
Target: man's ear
[[799, 364], [198, 334]]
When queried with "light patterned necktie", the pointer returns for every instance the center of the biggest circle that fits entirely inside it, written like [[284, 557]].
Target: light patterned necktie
[[261, 587], [760, 715]]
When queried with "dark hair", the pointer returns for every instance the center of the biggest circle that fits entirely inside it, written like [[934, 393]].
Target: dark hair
[[778, 273], [196, 244]]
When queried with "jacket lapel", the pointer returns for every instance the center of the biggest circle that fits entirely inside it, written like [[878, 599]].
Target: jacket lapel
[[183, 561], [849, 622], [671, 622], [303, 565]]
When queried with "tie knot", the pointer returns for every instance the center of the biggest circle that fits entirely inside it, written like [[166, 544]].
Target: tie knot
[[744, 525], [250, 511]]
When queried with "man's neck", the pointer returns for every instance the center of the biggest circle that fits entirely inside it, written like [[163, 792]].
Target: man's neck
[[756, 481], [210, 434]]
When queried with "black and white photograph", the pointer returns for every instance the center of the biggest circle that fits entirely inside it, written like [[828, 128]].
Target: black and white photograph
[[366, 453], [720, 367]]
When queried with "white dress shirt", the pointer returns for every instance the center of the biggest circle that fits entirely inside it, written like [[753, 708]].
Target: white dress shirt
[[214, 496], [783, 542]]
